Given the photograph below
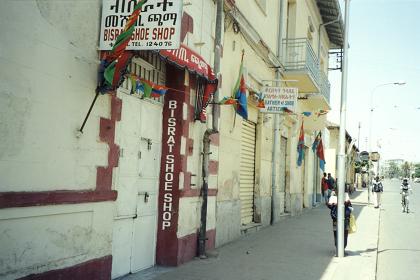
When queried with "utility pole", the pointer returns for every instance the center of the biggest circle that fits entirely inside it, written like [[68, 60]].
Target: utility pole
[[358, 138], [342, 138]]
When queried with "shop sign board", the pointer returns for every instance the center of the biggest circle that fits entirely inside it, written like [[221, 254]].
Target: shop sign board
[[279, 99], [158, 26]]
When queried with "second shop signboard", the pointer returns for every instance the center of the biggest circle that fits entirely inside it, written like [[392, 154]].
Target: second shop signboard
[[279, 99]]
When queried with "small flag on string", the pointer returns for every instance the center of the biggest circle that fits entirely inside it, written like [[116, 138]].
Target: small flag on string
[[286, 110], [260, 100], [147, 88], [228, 101], [321, 112], [158, 91]]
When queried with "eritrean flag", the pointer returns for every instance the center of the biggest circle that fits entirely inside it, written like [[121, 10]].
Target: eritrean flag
[[147, 88], [113, 67], [320, 154], [301, 146], [239, 93], [316, 142], [318, 148], [158, 91]]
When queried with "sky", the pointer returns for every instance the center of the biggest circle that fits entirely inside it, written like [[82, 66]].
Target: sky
[[384, 39]]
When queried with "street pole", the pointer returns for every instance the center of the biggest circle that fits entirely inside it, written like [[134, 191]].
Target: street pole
[[342, 138]]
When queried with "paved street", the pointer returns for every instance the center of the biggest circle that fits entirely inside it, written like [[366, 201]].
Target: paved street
[[399, 248], [296, 248]]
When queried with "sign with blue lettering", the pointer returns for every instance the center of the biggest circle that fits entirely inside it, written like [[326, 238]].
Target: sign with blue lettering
[[279, 99]]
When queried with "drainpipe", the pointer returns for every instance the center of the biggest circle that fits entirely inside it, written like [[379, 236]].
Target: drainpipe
[[204, 192], [206, 138], [217, 57], [276, 122], [319, 34], [315, 177]]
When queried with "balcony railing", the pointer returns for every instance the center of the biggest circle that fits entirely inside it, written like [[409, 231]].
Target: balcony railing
[[325, 86], [298, 55]]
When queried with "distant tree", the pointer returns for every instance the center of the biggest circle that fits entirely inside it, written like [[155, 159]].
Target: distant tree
[[394, 170], [406, 169], [417, 170]]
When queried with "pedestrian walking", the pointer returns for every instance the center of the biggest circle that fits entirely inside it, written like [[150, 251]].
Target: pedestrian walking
[[405, 192], [324, 187], [377, 189], [331, 185], [333, 205]]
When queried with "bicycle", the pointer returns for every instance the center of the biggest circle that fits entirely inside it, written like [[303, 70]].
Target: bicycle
[[405, 201]]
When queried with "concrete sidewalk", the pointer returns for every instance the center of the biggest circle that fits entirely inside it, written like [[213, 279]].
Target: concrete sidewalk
[[297, 248], [362, 250]]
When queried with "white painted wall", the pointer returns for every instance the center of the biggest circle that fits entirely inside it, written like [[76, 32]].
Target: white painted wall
[[202, 40], [47, 80], [264, 21], [38, 239]]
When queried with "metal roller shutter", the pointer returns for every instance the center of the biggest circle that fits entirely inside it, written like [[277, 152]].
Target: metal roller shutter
[[247, 171]]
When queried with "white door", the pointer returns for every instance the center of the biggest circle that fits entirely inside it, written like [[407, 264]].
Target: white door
[[247, 172], [139, 135], [145, 225]]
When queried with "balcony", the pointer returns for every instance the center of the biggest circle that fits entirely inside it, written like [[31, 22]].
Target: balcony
[[324, 86], [302, 64]]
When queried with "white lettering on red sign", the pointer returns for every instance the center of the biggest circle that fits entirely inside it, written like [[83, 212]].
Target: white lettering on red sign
[[169, 168]]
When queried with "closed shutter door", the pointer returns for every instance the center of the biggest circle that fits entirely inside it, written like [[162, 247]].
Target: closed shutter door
[[247, 172]]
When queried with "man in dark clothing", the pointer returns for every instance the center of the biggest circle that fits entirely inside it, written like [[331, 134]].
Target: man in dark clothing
[[330, 182], [332, 204], [324, 186]]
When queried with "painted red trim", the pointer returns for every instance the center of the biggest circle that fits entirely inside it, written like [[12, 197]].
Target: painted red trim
[[197, 192], [187, 180], [26, 199], [190, 147], [103, 190], [107, 135], [187, 245], [215, 139], [98, 269], [187, 25], [213, 167]]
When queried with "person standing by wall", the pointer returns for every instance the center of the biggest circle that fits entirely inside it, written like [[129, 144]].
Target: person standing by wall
[[377, 189], [324, 186]]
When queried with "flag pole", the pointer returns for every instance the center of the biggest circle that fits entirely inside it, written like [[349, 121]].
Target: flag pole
[[89, 111]]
